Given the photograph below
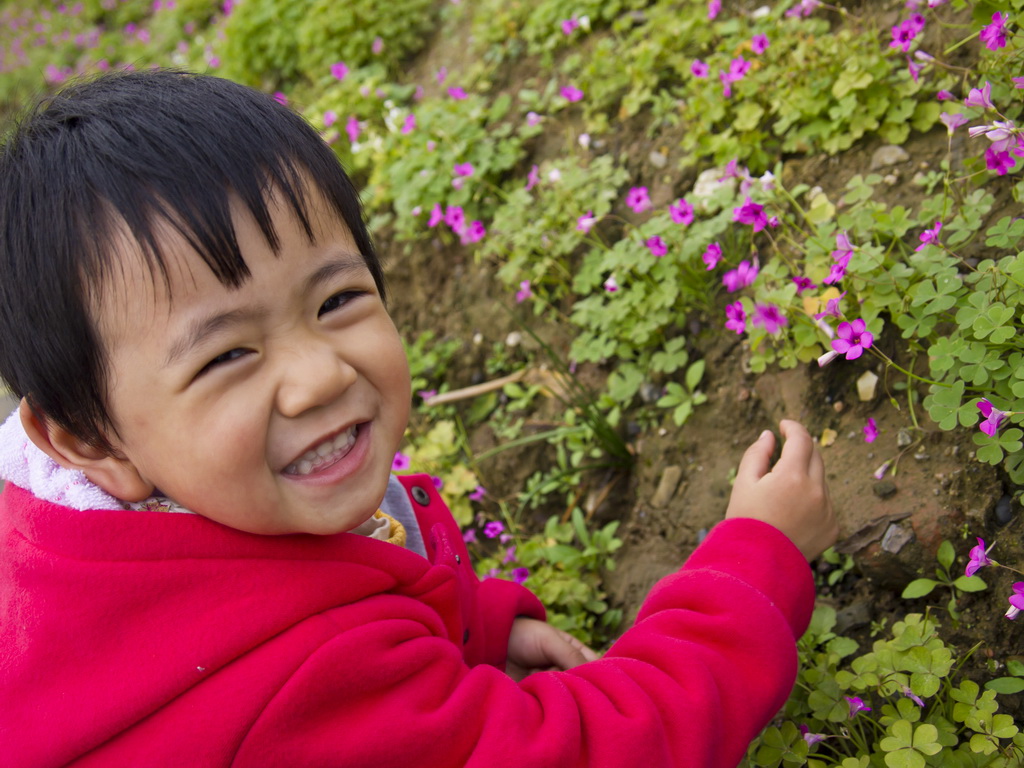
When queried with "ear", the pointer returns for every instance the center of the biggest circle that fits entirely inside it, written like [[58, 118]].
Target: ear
[[114, 474]]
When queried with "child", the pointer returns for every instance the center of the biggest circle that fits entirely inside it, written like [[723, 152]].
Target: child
[[204, 559]]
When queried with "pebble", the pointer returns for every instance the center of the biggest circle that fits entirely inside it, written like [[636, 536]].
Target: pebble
[[1004, 510], [667, 486], [888, 155], [867, 383], [903, 438], [895, 538], [657, 159], [883, 489]]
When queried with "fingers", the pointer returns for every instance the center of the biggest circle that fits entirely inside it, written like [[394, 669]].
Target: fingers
[[757, 459], [798, 450], [589, 654]]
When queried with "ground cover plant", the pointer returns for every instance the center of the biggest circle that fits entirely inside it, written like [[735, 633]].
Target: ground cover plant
[[644, 220]]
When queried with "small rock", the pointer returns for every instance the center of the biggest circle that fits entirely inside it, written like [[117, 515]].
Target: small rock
[[657, 159], [883, 489], [1004, 510], [828, 437], [890, 179], [888, 155], [922, 456], [903, 438], [666, 486], [895, 538], [867, 383], [514, 339], [650, 392], [708, 184], [838, 406], [853, 616]]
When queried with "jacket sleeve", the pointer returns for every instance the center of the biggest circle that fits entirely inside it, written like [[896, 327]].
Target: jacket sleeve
[[709, 661]]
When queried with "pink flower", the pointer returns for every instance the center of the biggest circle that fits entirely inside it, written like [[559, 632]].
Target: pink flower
[[831, 308], [437, 482], [377, 46], [738, 69], [1016, 600], [714, 7], [805, 8], [856, 705], [769, 316], [742, 276], [510, 555], [436, 215], [914, 69], [980, 97], [736, 317], [712, 256], [979, 559], [759, 44], [585, 222], [330, 118], [532, 178], [803, 284], [811, 738], [681, 212], [1018, 82], [993, 417], [853, 339], [1000, 162], [638, 199], [930, 236], [524, 292], [870, 431], [339, 70], [352, 129], [280, 98], [571, 93], [656, 246], [611, 285], [943, 95], [469, 536], [569, 26], [699, 69], [455, 217], [730, 171], [904, 33], [952, 121], [474, 233], [400, 462], [520, 575], [478, 493], [994, 35], [426, 394], [751, 213], [458, 93], [463, 169], [409, 125], [532, 119]]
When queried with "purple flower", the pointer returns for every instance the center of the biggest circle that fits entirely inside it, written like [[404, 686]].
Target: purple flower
[[585, 222], [437, 482], [520, 575], [994, 35], [831, 308], [736, 317], [980, 97], [751, 213], [458, 93], [352, 129], [870, 431], [856, 705], [330, 118], [681, 212], [952, 121], [572, 93], [853, 339], [510, 555], [804, 8], [436, 215], [993, 417], [455, 217], [904, 33], [569, 26], [281, 98], [409, 125], [524, 292], [769, 316], [1000, 162], [377, 46], [1016, 600], [339, 70], [474, 233], [463, 169], [838, 269], [426, 394], [532, 119], [803, 284], [742, 276], [532, 178], [611, 285], [714, 6], [712, 256], [400, 463], [811, 738], [699, 69], [979, 559], [943, 95], [930, 236], [493, 529], [913, 696], [1018, 82], [759, 44], [469, 536], [656, 246], [638, 199]]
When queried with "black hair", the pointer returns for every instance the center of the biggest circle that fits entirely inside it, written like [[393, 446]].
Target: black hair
[[136, 150]]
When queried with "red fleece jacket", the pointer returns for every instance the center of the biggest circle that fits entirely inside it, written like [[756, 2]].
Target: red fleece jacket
[[148, 639]]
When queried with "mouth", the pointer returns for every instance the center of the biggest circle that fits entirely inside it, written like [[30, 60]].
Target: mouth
[[325, 454]]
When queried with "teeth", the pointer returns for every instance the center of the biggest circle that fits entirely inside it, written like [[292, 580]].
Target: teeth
[[325, 454]]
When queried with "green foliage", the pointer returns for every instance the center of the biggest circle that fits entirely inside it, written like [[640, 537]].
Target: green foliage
[[944, 577], [920, 714]]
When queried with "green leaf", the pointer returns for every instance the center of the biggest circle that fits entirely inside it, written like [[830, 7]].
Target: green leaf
[[919, 588], [946, 554], [1005, 685], [970, 584], [694, 374]]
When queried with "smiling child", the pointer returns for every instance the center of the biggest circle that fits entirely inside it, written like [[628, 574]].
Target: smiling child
[[204, 558]]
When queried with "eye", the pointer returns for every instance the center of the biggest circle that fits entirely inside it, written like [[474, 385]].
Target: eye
[[227, 357], [338, 300]]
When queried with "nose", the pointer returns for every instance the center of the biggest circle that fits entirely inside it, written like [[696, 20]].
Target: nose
[[313, 374]]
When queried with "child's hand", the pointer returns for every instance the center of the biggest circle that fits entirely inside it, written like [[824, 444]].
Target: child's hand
[[792, 495], [534, 645]]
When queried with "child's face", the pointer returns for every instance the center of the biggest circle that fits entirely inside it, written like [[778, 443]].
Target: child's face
[[275, 407]]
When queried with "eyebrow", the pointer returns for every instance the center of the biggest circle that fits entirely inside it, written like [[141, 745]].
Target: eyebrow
[[201, 329]]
